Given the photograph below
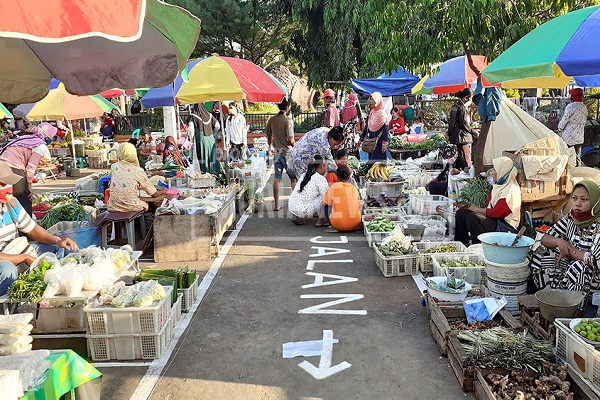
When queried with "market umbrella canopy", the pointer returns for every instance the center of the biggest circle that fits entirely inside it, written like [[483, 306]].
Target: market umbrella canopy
[[218, 78], [455, 75], [59, 104], [91, 45], [564, 46], [4, 113], [397, 83]]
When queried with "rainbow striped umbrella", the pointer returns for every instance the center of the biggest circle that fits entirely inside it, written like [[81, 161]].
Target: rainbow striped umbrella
[[4, 113], [218, 78], [59, 104], [566, 46]]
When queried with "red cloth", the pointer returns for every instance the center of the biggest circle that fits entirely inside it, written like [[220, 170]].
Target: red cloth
[[331, 178], [397, 126], [500, 210]]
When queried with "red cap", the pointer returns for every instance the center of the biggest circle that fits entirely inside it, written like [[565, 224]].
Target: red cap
[[328, 93]]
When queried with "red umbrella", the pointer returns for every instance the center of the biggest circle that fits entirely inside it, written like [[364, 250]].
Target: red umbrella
[[91, 45]]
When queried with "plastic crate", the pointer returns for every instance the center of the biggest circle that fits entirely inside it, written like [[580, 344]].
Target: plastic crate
[[57, 319], [128, 320], [435, 226], [393, 213], [97, 162], [375, 237], [96, 153], [389, 189], [581, 356], [176, 308], [189, 295], [426, 260], [426, 204], [130, 347], [94, 141], [397, 265], [473, 275]]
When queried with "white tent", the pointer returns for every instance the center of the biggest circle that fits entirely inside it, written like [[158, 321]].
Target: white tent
[[513, 129]]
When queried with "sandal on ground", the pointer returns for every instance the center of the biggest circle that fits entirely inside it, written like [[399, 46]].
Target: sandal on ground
[[331, 230], [278, 208], [298, 221], [321, 222]]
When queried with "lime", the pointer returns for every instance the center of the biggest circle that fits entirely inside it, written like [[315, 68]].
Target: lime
[[577, 329], [583, 333], [584, 321], [591, 336]]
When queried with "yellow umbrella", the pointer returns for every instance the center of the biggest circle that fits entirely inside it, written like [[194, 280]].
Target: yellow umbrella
[[59, 104]]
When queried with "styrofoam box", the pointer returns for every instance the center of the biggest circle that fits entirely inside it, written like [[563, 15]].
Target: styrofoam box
[[424, 204], [130, 347], [473, 275], [189, 295], [581, 356], [426, 260], [128, 320]]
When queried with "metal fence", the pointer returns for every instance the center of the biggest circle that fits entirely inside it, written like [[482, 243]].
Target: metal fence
[[303, 122], [133, 122]]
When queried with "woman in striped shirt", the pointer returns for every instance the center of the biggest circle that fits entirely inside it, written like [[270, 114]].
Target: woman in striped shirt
[[577, 237]]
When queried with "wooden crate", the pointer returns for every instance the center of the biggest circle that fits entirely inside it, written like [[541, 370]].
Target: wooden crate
[[538, 190], [483, 391], [457, 357], [531, 316], [441, 316]]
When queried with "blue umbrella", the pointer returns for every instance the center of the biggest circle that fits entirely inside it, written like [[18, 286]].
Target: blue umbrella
[[397, 83]]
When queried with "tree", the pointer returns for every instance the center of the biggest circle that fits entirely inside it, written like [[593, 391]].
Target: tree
[[254, 30]]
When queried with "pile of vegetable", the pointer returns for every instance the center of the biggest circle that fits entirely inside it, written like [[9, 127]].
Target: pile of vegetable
[[476, 192], [463, 325], [380, 224], [67, 212], [550, 384], [434, 142], [397, 244], [383, 201], [450, 285], [500, 348], [588, 329], [353, 163], [460, 263], [183, 277], [442, 248], [30, 286], [142, 294]]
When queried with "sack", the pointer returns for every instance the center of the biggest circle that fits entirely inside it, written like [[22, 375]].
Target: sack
[[82, 232], [369, 144], [503, 226]]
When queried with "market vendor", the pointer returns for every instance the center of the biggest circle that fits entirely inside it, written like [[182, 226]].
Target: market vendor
[[15, 221], [375, 137], [147, 147], [171, 153], [577, 238], [503, 212], [127, 178]]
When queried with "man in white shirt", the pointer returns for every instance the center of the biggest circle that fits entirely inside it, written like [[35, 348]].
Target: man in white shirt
[[236, 133]]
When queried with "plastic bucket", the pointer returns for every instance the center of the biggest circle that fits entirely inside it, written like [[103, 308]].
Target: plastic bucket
[[510, 273], [506, 288], [497, 247], [512, 305], [68, 164]]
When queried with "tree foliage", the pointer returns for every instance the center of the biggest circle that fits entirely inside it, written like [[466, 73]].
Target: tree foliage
[[344, 39], [256, 30]]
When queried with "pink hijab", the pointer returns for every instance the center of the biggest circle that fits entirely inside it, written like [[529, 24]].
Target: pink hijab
[[377, 117]]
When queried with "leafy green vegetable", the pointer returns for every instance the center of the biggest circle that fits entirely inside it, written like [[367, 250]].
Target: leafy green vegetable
[[30, 286], [67, 212], [476, 192]]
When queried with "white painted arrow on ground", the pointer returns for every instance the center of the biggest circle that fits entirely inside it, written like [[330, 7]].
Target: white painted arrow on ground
[[325, 369]]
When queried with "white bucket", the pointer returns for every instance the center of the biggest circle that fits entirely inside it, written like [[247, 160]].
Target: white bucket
[[508, 273], [512, 305], [506, 288]]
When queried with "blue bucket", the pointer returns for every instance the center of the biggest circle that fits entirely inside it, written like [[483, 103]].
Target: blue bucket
[[497, 247]]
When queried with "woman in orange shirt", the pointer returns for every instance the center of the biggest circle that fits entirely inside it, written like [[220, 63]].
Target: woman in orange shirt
[[342, 203]]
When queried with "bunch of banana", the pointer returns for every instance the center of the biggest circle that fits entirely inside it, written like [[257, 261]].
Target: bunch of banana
[[378, 172]]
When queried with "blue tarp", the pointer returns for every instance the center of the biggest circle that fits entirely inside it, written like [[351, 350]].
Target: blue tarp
[[397, 83]]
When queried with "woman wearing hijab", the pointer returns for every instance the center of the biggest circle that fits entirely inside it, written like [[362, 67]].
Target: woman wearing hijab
[[127, 178], [201, 126], [572, 123], [376, 128], [503, 212], [171, 154], [24, 154], [350, 109], [577, 237]]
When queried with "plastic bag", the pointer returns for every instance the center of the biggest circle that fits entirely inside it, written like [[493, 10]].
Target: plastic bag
[[126, 297], [72, 281], [157, 290], [46, 257], [14, 323], [91, 254], [143, 299]]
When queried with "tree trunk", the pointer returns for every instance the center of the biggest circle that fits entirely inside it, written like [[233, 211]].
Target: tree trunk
[[480, 147]]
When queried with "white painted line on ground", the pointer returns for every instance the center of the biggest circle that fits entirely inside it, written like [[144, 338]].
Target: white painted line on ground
[[420, 283], [156, 368]]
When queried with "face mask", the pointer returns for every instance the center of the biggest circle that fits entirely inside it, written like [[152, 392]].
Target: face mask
[[233, 111], [468, 103], [6, 193]]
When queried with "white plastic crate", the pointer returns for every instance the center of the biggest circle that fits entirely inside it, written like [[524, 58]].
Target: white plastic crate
[[130, 347], [581, 356], [473, 275], [189, 295], [389, 189], [393, 213], [397, 265], [426, 260], [375, 237], [426, 204], [435, 226], [96, 162], [57, 319], [176, 309], [128, 320]]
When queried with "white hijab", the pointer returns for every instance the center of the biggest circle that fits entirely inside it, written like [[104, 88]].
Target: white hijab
[[507, 188]]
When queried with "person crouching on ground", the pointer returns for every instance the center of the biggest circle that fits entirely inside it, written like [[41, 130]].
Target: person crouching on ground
[[307, 197], [503, 212], [341, 203], [341, 158]]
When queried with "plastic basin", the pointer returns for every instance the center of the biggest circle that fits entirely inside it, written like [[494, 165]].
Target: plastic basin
[[497, 247], [444, 296]]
